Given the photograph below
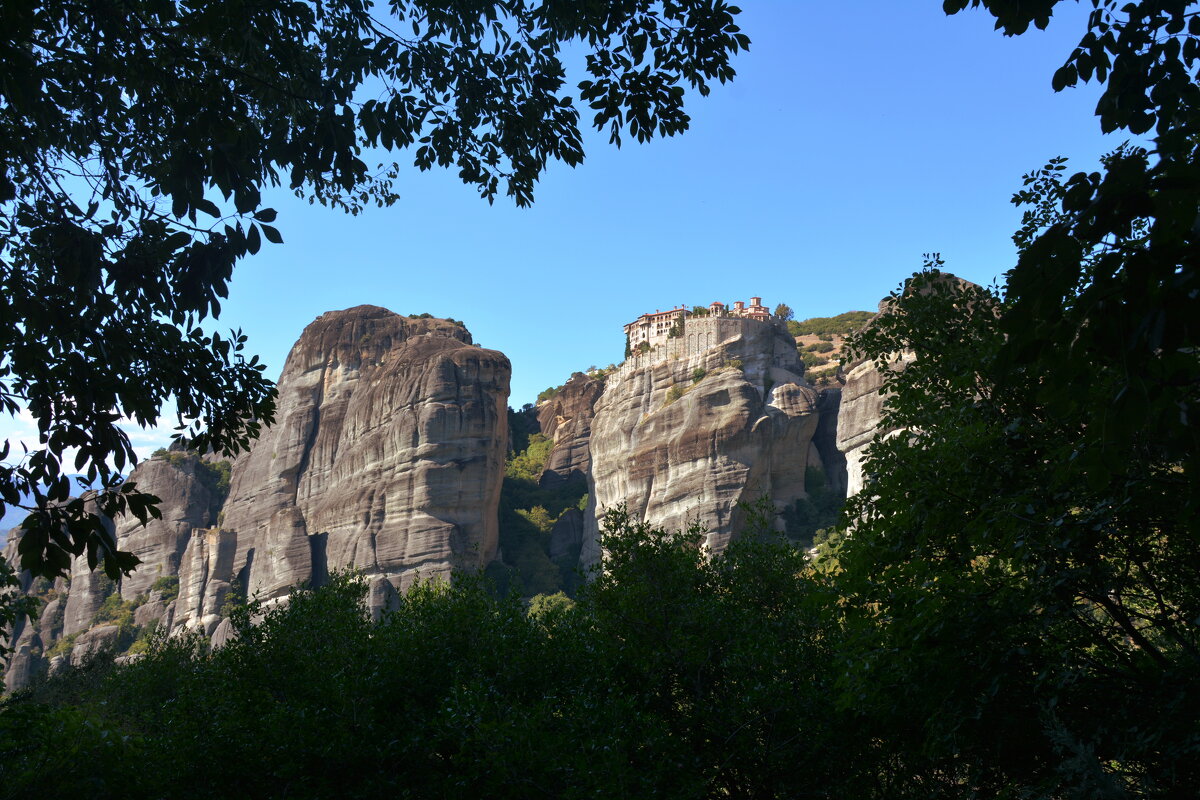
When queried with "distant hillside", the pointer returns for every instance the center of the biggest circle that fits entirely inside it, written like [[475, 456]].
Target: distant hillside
[[820, 341]]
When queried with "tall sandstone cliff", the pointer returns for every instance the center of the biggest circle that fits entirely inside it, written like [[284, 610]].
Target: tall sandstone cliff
[[567, 419], [387, 456], [720, 415]]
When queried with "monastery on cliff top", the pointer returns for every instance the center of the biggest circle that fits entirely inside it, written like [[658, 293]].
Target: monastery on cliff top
[[655, 328]]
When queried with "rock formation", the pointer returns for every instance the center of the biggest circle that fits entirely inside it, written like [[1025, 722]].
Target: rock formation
[[386, 456], [718, 416], [567, 419]]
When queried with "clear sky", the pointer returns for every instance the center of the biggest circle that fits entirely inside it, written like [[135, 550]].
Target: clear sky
[[857, 136]]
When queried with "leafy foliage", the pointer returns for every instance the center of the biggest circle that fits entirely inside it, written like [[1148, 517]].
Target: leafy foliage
[[139, 138], [784, 311], [811, 359], [988, 578], [528, 511], [528, 464], [15, 605], [167, 587], [671, 675], [819, 511]]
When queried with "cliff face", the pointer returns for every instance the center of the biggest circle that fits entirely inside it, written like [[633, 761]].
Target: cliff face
[[387, 456], [720, 415], [567, 419]]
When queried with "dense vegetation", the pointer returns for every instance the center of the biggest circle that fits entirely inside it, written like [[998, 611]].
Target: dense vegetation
[[671, 675], [844, 324], [1015, 612], [811, 517], [528, 511]]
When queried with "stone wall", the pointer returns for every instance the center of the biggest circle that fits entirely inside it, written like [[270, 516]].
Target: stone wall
[[700, 336]]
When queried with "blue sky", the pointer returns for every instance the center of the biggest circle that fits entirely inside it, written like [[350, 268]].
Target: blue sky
[[857, 136]]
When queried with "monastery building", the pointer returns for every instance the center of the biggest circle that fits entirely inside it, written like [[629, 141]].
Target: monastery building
[[654, 329]]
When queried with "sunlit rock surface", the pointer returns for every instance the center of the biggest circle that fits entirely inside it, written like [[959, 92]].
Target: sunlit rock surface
[[718, 416], [387, 456]]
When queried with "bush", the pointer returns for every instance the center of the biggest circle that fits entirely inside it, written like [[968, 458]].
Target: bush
[[698, 374], [167, 586], [812, 359], [820, 347], [145, 638], [674, 393], [531, 462], [545, 607], [62, 647], [677, 672], [115, 611]]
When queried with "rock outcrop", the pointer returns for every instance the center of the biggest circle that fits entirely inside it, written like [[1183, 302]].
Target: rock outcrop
[[387, 456], [721, 415], [860, 415], [567, 419]]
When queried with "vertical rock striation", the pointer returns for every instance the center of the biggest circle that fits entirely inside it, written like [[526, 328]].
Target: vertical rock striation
[[387, 456], [567, 419], [723, 415]]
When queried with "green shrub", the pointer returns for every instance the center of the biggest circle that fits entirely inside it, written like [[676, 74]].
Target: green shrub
[[698, 374], [539, 517], [235, 599], [531, 462], [145, 638], [62, 647], [843, 324], [736, 363], [812, 359], [674, 393], [167, 586], [820, 347], [547, 606], [115, 611]]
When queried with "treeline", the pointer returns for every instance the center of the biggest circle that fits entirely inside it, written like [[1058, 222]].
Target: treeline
[[843, 324], [671, 675]]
